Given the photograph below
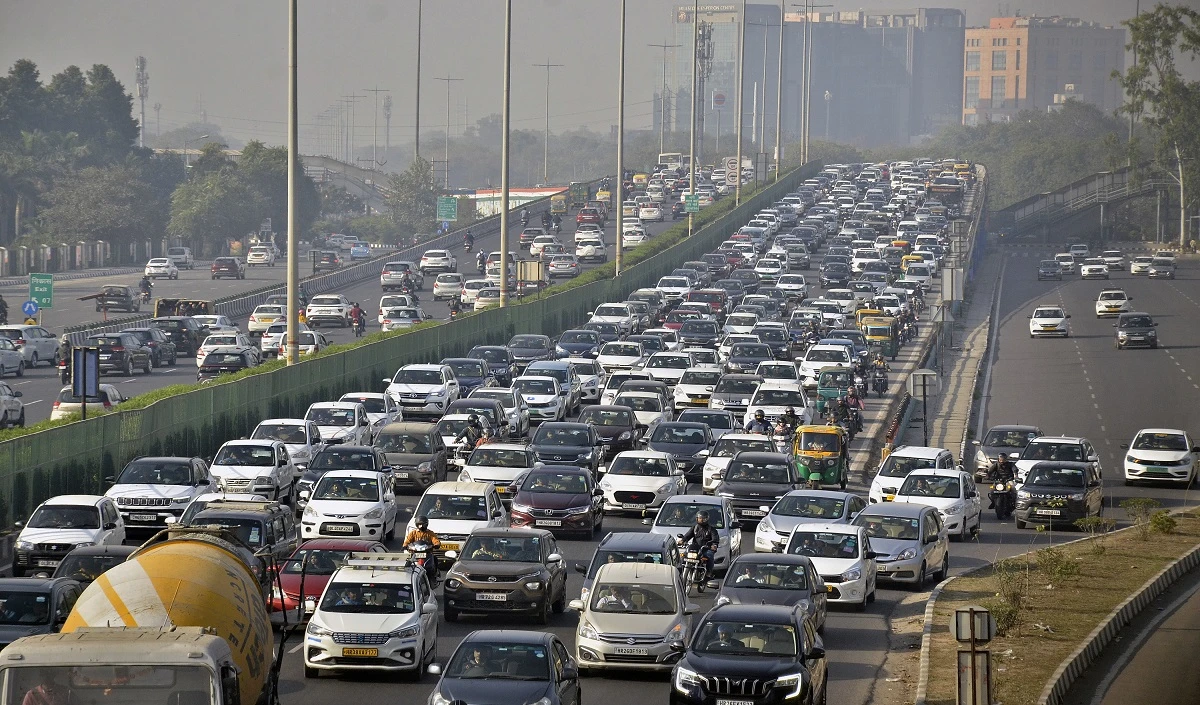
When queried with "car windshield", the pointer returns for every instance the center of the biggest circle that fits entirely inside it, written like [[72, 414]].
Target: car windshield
[[317, 561], [779, 397], [742, 386], [747, 575], [330, 416], [745, 639], [701, 377], [718, 420], [415, 443], [639, 466], [1055, 477], [498, 661], [889, 527], [87, 567], [900, 466], [356, 489], [810, 507], [468, 368], [823, 544], [534, 386], [410, 375], [261, 456], [521, 549], [640, 403], [669, 362], [368, 598], [223, 358], [536, 342], [673, 283], [729, 447], [63, 516], [684, 514], [622, 350], [151, 472], [1000, 438], [555, 483], [1113, 296], [607, 417], [1137, 322], [634, 598], [248, 531], [929, 486], [1041, 450], [500, 457], [765, 472], [1160, 441], [751, 350], [24, 608], [551, 435], [825, 356], [612, 310], [673, 433], [586, 337], [343, 459], [1048, 313]]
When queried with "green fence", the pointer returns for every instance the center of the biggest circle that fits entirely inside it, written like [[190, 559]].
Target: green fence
[[76, 458]]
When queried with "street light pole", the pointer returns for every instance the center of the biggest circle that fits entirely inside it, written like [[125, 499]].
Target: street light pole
[[186, 161], [504, 161], [291, 350], [448, 81], [546, 135], [662, 98], [417, 107], [779, 93], [375, 130], [695, 87], [620, 192], [737, 189]]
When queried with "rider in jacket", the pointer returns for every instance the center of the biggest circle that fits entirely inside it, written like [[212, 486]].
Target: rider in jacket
[[1002, 471], [758, 424], [705, 539]]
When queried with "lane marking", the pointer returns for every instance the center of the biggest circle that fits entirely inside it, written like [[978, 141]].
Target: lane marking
[[35, 401]]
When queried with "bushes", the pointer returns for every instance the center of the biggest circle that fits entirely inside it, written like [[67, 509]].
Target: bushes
[[1140, 511]]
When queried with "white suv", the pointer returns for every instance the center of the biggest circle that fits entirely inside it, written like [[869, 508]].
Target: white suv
[[261, 254], [438, 261], [328, 308], [423, 390], [900, 463], [341, 422], [60, 524]]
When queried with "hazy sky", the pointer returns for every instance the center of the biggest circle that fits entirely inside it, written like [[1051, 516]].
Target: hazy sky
[[232, 54]]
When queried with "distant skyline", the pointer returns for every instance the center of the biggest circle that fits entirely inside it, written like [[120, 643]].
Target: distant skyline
[[229, 58]]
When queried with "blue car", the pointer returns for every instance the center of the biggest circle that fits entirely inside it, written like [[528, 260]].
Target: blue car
[[472, 373], [579, 343], [360, 251]]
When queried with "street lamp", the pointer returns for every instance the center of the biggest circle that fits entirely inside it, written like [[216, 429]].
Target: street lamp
[[828, 100], [737, 189], [778, 92], [504, 156], [185, 152], [695, 87], [546, 134], [620, 193]]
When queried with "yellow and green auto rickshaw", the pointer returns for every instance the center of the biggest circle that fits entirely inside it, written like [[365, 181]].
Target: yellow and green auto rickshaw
[[883, 336], [832, 384], [821, 455], [864, 313], [558, 204]]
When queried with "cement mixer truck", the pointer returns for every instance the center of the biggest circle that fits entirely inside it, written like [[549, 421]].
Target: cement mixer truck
[[182, 622]]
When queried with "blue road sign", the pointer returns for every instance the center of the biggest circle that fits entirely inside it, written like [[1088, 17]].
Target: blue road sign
[[29, 308]]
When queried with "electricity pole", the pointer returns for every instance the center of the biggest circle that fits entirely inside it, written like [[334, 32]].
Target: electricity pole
[[157, 119], [546, 135], [143, 92], [620, 194], [387, 121], [662, 99], [448, 81], [779, 93], [375, 130], [417, 106], [737, 189], [695, 85], [505, 123], [291, 347]]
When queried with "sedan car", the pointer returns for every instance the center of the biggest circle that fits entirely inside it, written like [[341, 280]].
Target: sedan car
[[802, 507], [843, 557], [641, 480], [1049, 269], [1160, 454], [508, 666], [650, 212], [1140, 265], [1113, 302], [909, 541], [559, 498], [1093, 268], [564, 265], [1048, 320], [1162, 268], [161, 267]]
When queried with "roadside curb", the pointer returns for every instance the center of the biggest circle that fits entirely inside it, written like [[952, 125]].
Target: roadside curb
[[70, 276]]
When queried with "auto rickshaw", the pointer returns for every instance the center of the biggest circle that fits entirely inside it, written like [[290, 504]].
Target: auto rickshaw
[[862, 313], [883, 336], [821, 455], [558, 204], [832, 384], [910, 259], [903, 245]]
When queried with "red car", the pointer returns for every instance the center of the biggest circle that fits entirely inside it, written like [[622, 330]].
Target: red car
[[560, 499], [675, 319], [589, 215], [324, 557]]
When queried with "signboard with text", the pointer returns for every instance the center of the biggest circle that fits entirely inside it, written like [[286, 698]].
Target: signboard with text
[[447, 208], [41, 290]]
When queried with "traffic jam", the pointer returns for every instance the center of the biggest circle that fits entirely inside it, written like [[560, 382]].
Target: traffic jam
[[717, 411]]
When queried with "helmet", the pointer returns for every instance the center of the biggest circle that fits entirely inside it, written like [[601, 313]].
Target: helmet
[[473, 419], [702, 517], [422, 522], [759, 414], [1002, 456], [65, 339], [853, 391], [789, 410]]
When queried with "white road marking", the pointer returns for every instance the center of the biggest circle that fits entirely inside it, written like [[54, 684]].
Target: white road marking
[[35, 401], [295, 648]]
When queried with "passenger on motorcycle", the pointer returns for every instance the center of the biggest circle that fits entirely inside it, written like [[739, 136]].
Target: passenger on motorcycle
[[1002, 471], [789, 422], [704, 538], [481, 260], [758, 424]]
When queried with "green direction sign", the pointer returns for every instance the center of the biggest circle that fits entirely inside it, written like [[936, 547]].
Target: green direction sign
[[691, 203], [41, 289], [447, 208]]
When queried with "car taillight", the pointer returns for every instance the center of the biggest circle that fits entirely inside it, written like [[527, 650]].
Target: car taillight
[[19, 341], [57, 403], [253, 319], [107, 404], [118, 348]]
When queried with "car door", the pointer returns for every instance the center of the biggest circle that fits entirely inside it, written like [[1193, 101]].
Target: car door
[[429, 619], [388, 494], [1090, 454], [735, 531], [10, 406], [1095, 493], [47, 344], [971, 497], [285, 473], [204, 481], [112, 523], [819, 592], [566, 674], [930, 547]]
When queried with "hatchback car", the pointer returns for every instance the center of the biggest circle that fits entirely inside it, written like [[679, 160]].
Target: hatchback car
[[1048, 320], [1160, 454], [637, 481], [35, 606], [304, 575], [161, 267], [678, 515], [776, 579], [842, 555], [802, 507], [952, 492], [351, 503], [509, 666], [909, 541], [1009, 439], [1135, 329]]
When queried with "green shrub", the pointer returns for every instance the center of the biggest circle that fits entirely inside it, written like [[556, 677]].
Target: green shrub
[[1056, 564], [1140, 510], [1162, 522], [1097, 529]]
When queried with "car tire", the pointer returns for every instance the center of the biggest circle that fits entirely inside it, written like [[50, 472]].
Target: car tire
[[1020, 524], [311, 672], [21, 420], [391, 533], [543, 617], [214, 277], [21, 368], [560, 605], [450, 614], [147, 366]]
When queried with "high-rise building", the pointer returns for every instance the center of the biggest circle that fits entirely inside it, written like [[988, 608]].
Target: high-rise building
[[1023, 63]]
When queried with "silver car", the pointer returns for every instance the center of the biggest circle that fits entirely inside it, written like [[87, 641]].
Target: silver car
[[909, 540], [678, 514], [804, 507]]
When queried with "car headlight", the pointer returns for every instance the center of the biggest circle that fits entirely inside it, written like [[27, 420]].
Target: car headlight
[[723, 600], [181, 500], [405, 632], [376, 513], [852, 574], [24, 545], [604, 484], [1151, 333], [717, 403], [795, 681], [1077, 497], [263, 480], [299, 454], [311, 511], [625, 436], [437, 393], [559, 350], [725, 494], [685, 678], [1022, 494], [521, 508], [587, 455], [463, 476], [533, 585], [578, 510], [425, 467], [665, 487], [587, 631], [315, 629], [906, 554], [83, 544], [955, 508], [1122, 334]]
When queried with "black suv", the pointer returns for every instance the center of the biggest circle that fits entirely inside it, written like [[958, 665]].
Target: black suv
[[118, 297], [186, 332], [569, 443], [751, 653], [1135, 329], [753, 479], [35, 606], [162, 348], [231, 267], [221, 362], [120, 352], [327, 260], [266, 528], [506, 571]]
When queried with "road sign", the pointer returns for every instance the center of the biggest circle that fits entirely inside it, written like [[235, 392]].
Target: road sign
[[29, 308], [718, 100], [41, 289], [691, 203], [732, 172], [447, 208]]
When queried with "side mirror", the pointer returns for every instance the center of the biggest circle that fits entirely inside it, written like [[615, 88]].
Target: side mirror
[[597, 492], [872, 555], [112, 525], [581, 569], [576, 605], [930, 539], [975, 443], [815, 653], [570, 673], [554, 558], [1068, 315], [1093, 458], [18, 393], [691, 608], [430, 607], [497, 514], [676, 645], [388, 380], [451, 554], [434, 669], [169, 521]]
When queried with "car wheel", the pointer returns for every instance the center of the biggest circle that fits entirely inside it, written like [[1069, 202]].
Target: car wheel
[[311, 672], [543, 616], [1020, 524], [21, 420], [391, 533], [21, 368], [945, 569], [147, 366], [560, 605], [920, 577]]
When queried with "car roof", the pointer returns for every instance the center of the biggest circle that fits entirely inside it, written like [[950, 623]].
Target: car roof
[[937, 472], [507, 636], [454, 487], [918, 452], [30, 583], [635, 539], [1013, 427], [758, 456], [1059, 439], [775, 614], [74, 499], [337, 544], [771, 558], [335, 474], [511, 531], [1161, 430], [637, 572], [908, 511]]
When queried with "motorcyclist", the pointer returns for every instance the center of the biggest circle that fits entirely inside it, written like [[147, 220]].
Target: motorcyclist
[[422, 533], [1003, 471], [758, 424], [472, 433], [481, 260], [789, 422], [704, 538], [469, 239], [524, 216], [854, 404], [546, 220], [406, 281], [64, 356], [358, 316], [145, 286], [455, 306], [3, 311]]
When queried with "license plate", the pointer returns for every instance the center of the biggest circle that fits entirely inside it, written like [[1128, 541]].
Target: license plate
[[1047, 512], [449, 547], [828, 588], [491, 596], [889, 498], [339, 529], [631, 651], [753, 513], [402, 475], [633, 506], [548, 522], [360, 653], [143, 517], [48, 564], [502, 489], [734, 702], [105, 357]]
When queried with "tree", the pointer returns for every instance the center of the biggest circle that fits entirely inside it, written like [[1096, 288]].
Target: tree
[[265, 170], [212, 160], [412, 201], [1163, 99], [336, 201], [215, 208], [104, 203]]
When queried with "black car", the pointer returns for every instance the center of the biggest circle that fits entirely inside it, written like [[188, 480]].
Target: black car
[[751, 653], [124, 298], [526, 348], [1136, 329], [568, 443], [608, 332], [579, 342], [776, 579], [700, 332], [688, 443], [327, 260], [228, 268], [267, 528], [777, 339], [717, 264], [186, 332], [734, 287], [340, 457], [523, 565], [835, 275], [1059, 492], [224, 362], [162, 348], [1049, 269], [86, 563], [749, 278], [616, 426], [472, 373], [753, 479], [416, 453], [499, 360], [121, 353], [509, 666], [558, 498], [35, 606], [744, 357]]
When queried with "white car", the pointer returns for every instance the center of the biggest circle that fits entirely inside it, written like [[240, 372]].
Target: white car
[[423, 390], [1160, 454], [264, 315], [704, 357], [667, 367], [261, 467], [778, 371], [486, 298], [620, 355], [1048, 320], [1140, 265], [794, 285], [1115, 259], [12, 409], [394, 301], [455, 509], [498, 464], [739, 324], [358, 503], [801, 508], [819, 356], [620, 314], [470, 290], [379, 599], [769, 269], [901, 462], [438, 261], [261, 254], [678, 515], [401, 317], [543, 396], [1113, 302], [649, 213], [447, 286], [648, 408], [539, 244], [1093, 268], [591, 378], [273, 337], [861, 257], [633, 237], [590, 249], [301, 437], [341, 422], [694, 387], [674, 288], [513, 404], [150, 490], [842, 555], [1058, 448], [35, 343], [161, 267], [922, 274], [889, 304], [61, 524], [845, 298], [381, 408], [952, 492], [732, 339], [217, 324], [774, 398], [637, 480], [328, 308]]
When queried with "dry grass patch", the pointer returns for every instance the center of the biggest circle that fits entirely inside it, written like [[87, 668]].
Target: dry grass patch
[[1063, 596]]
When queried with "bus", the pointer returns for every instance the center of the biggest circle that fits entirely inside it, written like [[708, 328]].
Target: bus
[[673, 160]]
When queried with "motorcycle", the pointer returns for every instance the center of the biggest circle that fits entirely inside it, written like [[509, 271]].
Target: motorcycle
[[693, 570], [467, 246], [860, 383], [879, 382], [784, 438], [421, 553], [64, 371], [145, 296], [1003, 496], [406, 289]]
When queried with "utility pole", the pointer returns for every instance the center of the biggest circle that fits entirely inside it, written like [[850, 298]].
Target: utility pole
[[546, 135], [806, 79], [1137, 11], [157, 119], [620, 193], [292, 348], [417, 107], [505, 109], [375, 130], [695, 85], [737, 189], [662, 99], [779, 93], [143, 92], [351, 144], [387, 121], [448, 81]]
